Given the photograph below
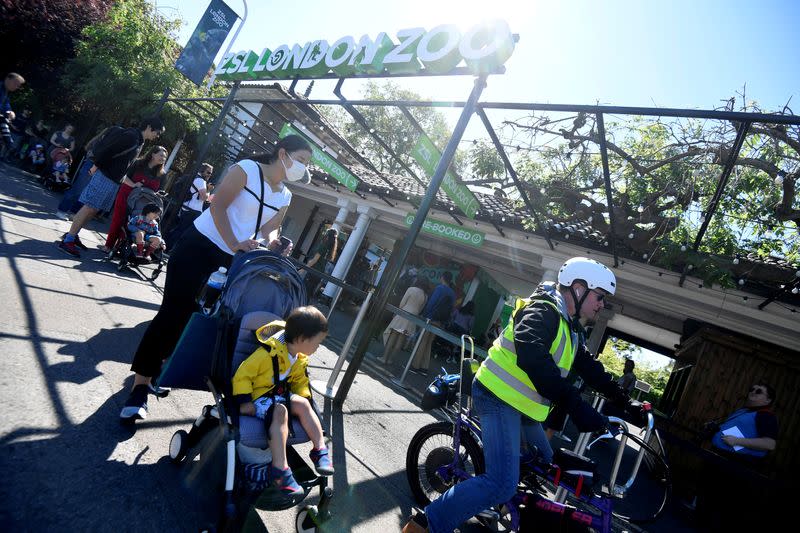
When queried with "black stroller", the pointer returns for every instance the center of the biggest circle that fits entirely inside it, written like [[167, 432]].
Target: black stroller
[[137, 200], [261, 287]]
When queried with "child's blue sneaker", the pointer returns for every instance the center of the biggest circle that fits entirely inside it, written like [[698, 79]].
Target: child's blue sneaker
[[283, 480], [322, 461]]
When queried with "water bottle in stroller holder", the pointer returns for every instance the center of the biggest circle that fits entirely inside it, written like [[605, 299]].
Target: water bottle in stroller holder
[[208, 298]]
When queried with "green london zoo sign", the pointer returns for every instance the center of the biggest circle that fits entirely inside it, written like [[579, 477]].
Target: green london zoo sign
[[449, 231], [483, 48], [324, 161]]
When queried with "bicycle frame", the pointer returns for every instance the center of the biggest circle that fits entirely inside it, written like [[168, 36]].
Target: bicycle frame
[[463, 419]]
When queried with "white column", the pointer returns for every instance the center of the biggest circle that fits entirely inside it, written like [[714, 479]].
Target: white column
[[365, 216], [551, 268], [473, 287], [173, 153], [345, 208]]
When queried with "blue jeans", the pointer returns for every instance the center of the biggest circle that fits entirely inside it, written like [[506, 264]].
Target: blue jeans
[[69, 203], [501, 427], [533, 435]]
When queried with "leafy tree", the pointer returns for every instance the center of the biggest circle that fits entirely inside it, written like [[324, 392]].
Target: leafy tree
[[122, 66], [393, 127], [613, 359], [664, 173]]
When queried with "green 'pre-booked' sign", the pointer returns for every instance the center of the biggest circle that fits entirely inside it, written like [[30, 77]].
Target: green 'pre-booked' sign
[[323, 160], [427, 156], [449, 231]]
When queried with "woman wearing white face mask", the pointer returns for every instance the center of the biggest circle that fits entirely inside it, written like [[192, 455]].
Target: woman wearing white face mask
[[249, 204]]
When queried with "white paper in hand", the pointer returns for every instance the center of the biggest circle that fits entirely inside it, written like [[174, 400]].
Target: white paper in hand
[[734, 432]]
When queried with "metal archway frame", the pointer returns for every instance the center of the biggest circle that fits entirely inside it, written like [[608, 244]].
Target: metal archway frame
[[742, 120]]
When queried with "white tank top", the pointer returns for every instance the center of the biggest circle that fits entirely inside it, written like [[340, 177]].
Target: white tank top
[[243, 210]]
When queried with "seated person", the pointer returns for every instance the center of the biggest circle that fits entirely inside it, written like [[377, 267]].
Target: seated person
[[36, 158], [146, 225], [61, 168], [731, 489], [284, 351]]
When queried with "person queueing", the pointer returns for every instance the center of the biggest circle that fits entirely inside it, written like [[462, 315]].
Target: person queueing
[[193, 206], [249, 204], [70, 203], [113, 155], [515, 386], [273, 383], [11, 83], [147, 171], [322, 260]]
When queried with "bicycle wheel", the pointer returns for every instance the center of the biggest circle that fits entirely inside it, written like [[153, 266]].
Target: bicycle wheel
[[432, 448]]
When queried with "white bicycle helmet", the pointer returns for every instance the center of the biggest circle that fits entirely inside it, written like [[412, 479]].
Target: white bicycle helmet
[[595, 274]]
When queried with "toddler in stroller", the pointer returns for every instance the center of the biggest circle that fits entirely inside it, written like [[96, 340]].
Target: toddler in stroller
[[272, 384], [57, 179], [35, 161], [146, 225], [230, 354], [144, 207]]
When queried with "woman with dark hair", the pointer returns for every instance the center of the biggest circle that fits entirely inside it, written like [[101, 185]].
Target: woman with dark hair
[[249, 204], [147, 171], [322, 260]]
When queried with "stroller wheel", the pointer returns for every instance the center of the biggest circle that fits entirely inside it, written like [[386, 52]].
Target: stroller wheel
[[178, 446], [121, 266], [307, 520], [155, 274]]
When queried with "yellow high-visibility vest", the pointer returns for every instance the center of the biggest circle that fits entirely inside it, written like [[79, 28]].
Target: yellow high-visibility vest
[[500, 374]]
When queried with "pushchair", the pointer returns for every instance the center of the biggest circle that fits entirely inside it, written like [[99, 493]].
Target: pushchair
[[56, 177], [262, 286], [137, 200]]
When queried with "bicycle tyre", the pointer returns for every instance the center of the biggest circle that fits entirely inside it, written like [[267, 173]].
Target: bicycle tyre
[[432, 447]]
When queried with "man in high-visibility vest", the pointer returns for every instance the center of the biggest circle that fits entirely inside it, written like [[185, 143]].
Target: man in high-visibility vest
[[523, 376]]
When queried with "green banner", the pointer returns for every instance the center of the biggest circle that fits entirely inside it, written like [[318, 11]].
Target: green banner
[[449, 231], [323, 160], [428, 156]]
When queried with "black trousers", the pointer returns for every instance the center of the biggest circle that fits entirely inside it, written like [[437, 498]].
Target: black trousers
[[194, 258]]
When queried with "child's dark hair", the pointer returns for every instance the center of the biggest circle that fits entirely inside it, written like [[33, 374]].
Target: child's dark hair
[[150, 208], [305, 322]]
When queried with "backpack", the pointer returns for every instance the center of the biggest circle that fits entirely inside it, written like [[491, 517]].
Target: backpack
[[108, 139]]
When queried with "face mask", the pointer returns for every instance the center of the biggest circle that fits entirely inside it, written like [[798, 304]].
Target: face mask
[[296, 172]]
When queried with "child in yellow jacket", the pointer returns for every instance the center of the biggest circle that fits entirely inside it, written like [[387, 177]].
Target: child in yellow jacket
[[285, 347]]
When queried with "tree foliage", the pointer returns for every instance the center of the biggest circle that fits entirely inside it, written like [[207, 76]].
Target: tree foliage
[[393, 127], [613, 359], [664, 173]]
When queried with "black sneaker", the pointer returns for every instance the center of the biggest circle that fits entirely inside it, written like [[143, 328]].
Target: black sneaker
[[136, 405], [69, 248]]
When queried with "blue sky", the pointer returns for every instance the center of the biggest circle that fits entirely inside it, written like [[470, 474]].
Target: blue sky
[[666, 54]]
